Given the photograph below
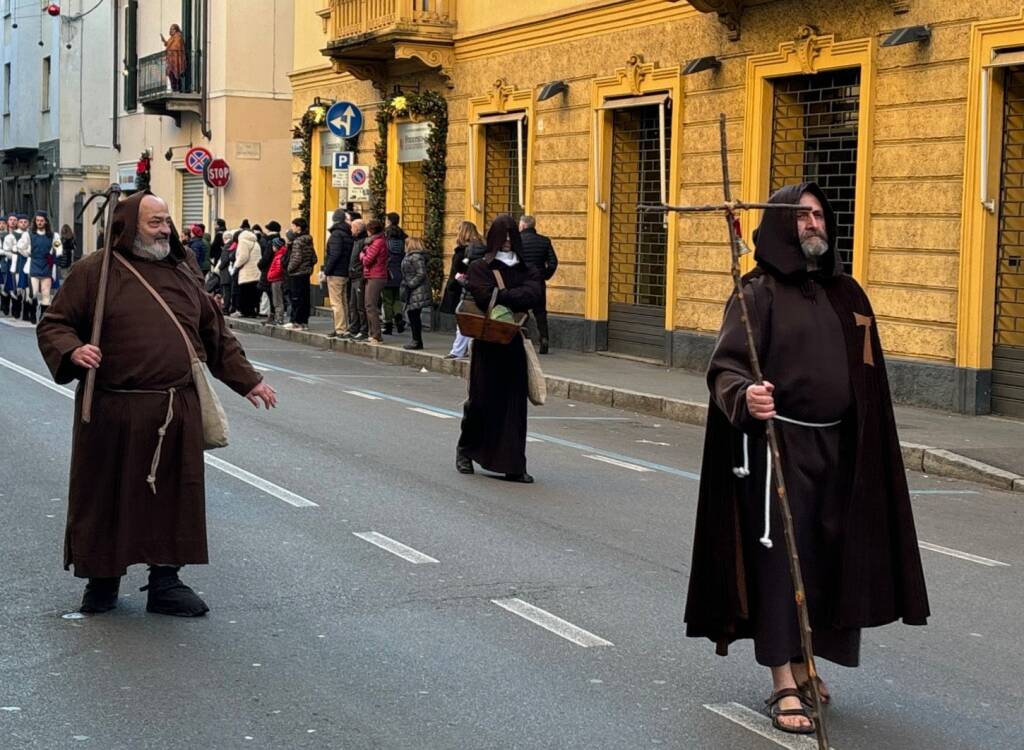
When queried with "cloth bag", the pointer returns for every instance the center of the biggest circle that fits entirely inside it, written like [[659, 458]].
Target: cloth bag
[[537, 386], [215, 421]]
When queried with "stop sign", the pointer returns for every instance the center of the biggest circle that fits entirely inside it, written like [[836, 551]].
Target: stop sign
[[217, 173]]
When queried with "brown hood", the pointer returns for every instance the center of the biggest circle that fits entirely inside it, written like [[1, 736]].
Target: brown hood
[[125, 226], [777, 238]]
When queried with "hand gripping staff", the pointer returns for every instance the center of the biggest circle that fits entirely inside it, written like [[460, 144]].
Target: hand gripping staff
[[112, 196], [729, 209]]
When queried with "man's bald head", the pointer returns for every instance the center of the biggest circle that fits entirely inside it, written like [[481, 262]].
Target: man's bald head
[[153, 233]]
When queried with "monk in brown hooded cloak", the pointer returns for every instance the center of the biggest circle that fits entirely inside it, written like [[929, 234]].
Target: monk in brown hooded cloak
[[135, 497], [827, 390]]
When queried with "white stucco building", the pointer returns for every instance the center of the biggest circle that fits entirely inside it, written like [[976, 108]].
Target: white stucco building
[[56, 105]]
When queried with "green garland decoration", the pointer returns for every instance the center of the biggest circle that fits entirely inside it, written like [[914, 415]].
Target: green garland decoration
[[311, 120], [433, 107]]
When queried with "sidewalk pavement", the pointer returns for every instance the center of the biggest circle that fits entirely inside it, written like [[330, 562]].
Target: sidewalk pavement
[[982, 449]]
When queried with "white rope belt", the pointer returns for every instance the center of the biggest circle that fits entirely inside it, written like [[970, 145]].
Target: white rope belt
[[742, 472]]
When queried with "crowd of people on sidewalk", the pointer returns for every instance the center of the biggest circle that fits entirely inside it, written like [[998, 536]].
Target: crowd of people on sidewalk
[[34, 260]]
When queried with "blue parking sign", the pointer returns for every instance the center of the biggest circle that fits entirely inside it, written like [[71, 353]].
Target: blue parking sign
[[343, 160], [344, 119]]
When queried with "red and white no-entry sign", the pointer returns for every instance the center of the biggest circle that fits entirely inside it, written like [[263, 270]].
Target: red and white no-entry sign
[[196, 159], [217, 173]]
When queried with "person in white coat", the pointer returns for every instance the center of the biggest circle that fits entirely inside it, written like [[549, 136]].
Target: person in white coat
[[18, 250], [247, 258]]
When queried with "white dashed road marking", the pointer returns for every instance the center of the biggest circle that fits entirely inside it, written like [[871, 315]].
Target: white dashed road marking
[[550, 622], [761, 725], [395, 548], [367, 396], [428, 412], [963, 555], [620, 464]]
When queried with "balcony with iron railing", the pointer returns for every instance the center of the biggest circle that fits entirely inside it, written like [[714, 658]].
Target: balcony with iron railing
[[373, 39], [162, 93]]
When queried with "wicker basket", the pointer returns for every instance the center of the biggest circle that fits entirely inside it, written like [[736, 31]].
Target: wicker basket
[[480, 326]]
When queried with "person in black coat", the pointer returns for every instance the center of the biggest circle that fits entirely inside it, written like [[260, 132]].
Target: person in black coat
[[217, 245], [335, 270], [494, 416], [539, 253], [268, 248], [389, 296]]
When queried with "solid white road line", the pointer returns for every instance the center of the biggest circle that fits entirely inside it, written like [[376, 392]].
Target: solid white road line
[[395, 548], [761, 725], [616, 462], [548, 621], [16, 323], [43, 381], [238, 473], [367, 396], [259, 482], [531, 439], [430, 413], [302, 379], [962, 555]]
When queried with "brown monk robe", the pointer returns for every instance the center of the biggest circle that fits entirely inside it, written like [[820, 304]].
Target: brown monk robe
[[116, 516], [827, 389]]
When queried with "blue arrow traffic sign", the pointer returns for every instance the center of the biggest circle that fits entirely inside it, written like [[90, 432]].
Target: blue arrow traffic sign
[[344, 119]]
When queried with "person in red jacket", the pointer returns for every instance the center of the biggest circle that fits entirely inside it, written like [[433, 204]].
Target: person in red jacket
[[375, 274], [276, 278]]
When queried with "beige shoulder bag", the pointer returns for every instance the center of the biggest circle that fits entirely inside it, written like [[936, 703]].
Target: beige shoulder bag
[[215, 421]]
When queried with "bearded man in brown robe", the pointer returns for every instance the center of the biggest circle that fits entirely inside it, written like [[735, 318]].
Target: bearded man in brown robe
[[826, 388], [137, 490]]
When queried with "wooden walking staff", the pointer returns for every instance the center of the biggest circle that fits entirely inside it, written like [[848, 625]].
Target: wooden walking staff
[[112, 196], [729, 208]]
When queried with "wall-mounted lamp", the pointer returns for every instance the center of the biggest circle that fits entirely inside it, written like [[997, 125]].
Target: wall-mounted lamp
[[700, 64], [319, 109], [169, 153], [554, 88], [908, 35]]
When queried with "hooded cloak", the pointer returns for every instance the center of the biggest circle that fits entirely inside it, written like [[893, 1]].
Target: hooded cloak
[[115, 517], [494, 416], [861, 555]]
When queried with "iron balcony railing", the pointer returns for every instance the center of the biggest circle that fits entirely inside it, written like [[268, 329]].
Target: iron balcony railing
[[351, 18], [155, 81]]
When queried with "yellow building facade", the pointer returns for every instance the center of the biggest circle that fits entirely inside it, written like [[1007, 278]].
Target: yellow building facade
[[909, 113]]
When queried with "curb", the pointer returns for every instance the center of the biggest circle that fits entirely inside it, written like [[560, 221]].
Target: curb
[[920, 458]]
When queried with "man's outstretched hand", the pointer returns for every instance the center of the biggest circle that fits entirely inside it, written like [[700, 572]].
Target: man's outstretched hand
[[264, 393], [87, 357]]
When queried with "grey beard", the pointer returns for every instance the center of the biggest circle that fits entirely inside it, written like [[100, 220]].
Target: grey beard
[[151, 251], [814, 247]]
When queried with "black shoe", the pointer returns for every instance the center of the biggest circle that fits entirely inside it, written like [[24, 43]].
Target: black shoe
[[463, 464], [400, 325], [333, 335], [414, 346], [360, 337], [100, 595], [169, 596], [523, 478], [543, 346]]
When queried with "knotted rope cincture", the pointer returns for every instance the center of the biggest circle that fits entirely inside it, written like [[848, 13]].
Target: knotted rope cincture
[[151, 479], [742, 472]]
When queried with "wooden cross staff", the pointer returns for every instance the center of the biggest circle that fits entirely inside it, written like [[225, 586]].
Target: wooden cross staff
[[729, 209], [112, 196]]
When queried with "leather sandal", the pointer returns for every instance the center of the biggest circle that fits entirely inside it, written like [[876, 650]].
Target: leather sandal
[[805, 688], [775, 713]]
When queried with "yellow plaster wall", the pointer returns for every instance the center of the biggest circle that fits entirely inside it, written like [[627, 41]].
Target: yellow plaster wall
[[310, 37], [915, 163]]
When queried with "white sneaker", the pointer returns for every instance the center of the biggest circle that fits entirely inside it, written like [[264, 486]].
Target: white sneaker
[[290, 326], [236, 314]]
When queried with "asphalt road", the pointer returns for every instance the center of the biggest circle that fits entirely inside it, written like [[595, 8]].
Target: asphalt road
[[319, 638]]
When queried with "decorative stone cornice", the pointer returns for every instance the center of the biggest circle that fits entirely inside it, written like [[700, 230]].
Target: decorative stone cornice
[[730, 12]]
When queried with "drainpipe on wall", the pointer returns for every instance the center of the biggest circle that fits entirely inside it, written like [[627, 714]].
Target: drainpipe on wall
[[207, 132], [117, 73]]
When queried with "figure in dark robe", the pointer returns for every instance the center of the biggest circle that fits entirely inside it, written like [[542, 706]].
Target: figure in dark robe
[[137, 490], [494, 416], [827, 390]]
